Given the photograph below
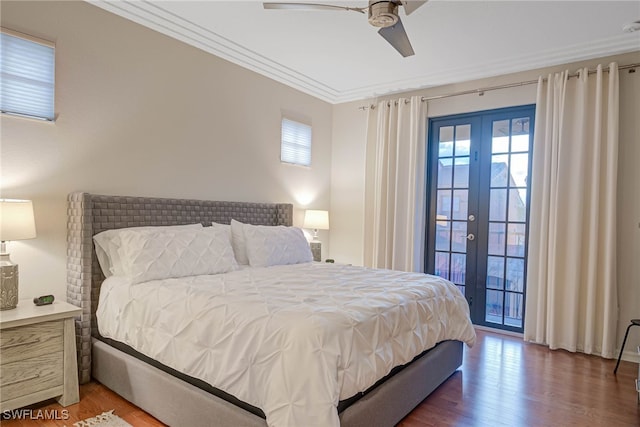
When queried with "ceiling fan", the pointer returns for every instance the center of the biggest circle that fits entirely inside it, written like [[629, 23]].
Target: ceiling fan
[[382, 13]]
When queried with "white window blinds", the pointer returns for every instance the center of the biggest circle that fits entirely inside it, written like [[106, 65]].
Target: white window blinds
[[26, 77], [296, 143]]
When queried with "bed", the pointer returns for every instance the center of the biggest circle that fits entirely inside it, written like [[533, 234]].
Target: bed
[[176, 391]]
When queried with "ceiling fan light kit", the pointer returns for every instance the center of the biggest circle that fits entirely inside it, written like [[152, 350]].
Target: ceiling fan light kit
[[383, 14]]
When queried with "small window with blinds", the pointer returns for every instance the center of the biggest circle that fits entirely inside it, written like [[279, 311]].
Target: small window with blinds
[[26, 76], [296, 143]]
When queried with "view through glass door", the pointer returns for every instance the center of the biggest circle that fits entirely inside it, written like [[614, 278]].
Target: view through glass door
[[479, 210]]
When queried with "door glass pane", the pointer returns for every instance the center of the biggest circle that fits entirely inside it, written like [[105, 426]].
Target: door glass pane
[[446, 142], [495, 272], [445, 171], [442, 265], [499, 170], [443, 205], [517, 205], [515, 274], [500, 137], [516, 240], [458, 268], [460, 204], [519, 169], [461, 172], [463, 140], [459, 236], [443, 235], [520, 134], [493, 309], [463, 147], [498, 205], [520, 143], [513, 309], [496, 238]]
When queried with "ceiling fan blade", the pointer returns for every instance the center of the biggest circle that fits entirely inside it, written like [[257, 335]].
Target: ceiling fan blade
[[397, 37], [411, 5], [309, 6]]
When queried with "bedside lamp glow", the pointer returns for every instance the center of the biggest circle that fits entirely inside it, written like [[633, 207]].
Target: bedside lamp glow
[[316, 220], [16, 223]]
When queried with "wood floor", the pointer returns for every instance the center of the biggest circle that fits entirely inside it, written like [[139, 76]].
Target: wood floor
[[503, 382]]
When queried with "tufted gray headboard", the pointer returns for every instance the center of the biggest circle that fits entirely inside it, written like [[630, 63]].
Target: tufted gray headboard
[[89, 214]]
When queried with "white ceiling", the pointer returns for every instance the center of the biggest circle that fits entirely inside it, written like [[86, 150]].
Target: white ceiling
[[337, 56]]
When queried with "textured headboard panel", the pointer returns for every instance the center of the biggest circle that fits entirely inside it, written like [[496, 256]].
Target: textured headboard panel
[[89, 214]]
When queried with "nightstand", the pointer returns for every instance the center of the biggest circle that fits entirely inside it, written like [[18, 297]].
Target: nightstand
[[38, 354]]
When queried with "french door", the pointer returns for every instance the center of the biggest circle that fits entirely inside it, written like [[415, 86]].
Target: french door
[[479, 167]]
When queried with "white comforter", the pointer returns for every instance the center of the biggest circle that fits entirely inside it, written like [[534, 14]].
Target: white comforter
[[291, 340]]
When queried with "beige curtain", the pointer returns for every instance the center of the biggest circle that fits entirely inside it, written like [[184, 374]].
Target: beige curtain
[[571, 280], [395, 185]]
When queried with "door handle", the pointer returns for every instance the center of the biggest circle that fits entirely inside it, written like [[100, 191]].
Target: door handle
[[471, 236]]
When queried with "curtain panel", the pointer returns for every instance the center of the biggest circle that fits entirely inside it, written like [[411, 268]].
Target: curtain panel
[[571, 280], [395, 185]]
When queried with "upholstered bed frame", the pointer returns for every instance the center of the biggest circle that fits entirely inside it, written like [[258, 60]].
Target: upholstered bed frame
[[177, 402]]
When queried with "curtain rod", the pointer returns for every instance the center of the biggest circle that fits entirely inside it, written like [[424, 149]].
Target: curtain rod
[[481, 91]]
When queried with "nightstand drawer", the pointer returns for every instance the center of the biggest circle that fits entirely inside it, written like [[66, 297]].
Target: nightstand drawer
[[34, 340], [28, 376]]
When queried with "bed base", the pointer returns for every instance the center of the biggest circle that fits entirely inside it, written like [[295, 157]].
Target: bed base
[[179, 403]]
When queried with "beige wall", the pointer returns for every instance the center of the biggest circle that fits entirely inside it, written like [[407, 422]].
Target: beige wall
[[140, 113], [348, 182]]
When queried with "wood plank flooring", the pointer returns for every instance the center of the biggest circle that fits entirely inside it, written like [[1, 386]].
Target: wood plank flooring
[[503, 382], [506, 382]]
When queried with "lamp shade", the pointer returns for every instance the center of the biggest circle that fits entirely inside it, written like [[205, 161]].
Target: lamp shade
[[16, 220], [318, 220]]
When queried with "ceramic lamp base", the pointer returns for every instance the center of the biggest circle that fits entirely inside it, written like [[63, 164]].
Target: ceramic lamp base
[[316, 251], [8, 286]]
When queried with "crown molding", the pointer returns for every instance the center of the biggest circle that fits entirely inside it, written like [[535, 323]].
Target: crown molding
[[152, 15], [549, 58]]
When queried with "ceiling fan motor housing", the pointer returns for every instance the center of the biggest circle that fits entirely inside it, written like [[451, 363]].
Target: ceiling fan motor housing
[[383, 13]]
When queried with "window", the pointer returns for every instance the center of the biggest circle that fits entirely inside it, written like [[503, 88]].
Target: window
[[296, 143], [26, 76]]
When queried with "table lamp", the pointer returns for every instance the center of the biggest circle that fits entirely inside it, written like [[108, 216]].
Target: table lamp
[[316, 220], [16, 223]]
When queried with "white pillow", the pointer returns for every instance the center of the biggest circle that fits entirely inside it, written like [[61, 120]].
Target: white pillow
[[152, 255], [238, 242], [225, 227], [108, 242], [277, 245]]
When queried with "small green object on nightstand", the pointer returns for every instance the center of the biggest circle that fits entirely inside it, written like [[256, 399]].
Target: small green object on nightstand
[[43, 300]]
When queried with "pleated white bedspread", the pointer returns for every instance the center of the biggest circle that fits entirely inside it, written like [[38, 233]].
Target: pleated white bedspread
[[291, 340]]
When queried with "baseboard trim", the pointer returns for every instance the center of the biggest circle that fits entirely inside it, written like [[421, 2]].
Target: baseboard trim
[[630, 355], [627, 355], [499, 331]]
